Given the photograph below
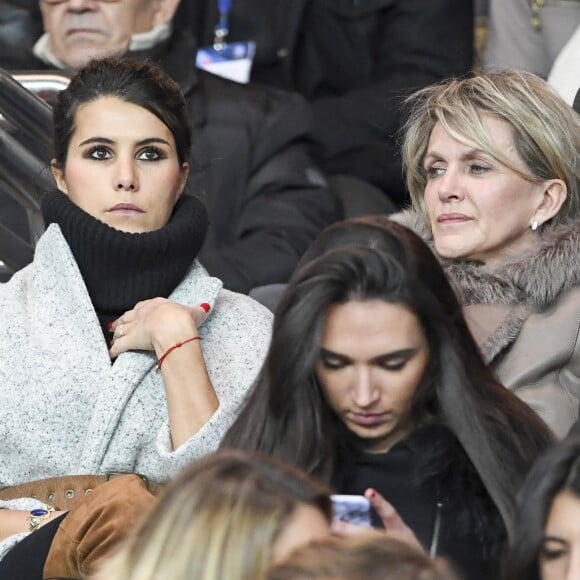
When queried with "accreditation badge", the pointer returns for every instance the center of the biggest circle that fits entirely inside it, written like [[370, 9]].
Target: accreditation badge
[[232, 60]]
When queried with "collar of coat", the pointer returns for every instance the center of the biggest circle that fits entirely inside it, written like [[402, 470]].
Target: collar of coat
[[525, 283]]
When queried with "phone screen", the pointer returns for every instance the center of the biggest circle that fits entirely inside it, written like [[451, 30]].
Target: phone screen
[[354, 509]]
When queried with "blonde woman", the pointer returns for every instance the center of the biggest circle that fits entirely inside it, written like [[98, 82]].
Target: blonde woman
[[493, 168], [228, 516]]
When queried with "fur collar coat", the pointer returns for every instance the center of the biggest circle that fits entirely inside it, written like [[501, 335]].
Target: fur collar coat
[[525, 315]]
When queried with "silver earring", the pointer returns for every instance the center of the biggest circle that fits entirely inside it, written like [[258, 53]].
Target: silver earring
[[534, 225]]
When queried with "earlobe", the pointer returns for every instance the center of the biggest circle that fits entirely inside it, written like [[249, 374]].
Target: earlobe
[[555, 194], [58, 175]]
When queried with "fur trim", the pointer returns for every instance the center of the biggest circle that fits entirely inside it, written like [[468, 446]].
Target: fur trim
[[530, 282], [537, 277], [550, 269], [504, 335]]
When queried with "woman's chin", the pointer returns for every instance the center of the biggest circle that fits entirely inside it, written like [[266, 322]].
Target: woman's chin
[[452, 251]]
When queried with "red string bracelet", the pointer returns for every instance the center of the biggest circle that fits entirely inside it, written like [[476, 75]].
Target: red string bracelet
[[172, 348]]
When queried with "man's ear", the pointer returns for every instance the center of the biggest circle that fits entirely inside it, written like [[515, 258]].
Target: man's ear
[[555, 194], [165, 11], [58, 175]]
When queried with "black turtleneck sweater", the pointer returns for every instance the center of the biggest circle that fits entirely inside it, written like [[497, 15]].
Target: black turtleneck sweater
[[121, 269]]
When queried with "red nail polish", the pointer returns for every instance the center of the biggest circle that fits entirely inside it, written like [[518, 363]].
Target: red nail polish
[[110, 326], [373, 493], [205, 306]]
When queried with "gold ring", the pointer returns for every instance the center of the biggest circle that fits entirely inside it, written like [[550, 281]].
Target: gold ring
[[121, 330]]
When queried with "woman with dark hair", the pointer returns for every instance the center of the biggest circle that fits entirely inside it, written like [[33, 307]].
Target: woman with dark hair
[[546, 543], [373, 380], [119, 353]]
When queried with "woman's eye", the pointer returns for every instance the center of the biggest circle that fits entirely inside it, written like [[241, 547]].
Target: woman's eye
[[552, 552], [394, 365], [548, 554], [434, 171], [478, 169], [99, 153], [150, 154], [332, 364]]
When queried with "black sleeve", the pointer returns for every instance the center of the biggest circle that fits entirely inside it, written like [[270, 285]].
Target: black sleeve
[[284, 200], [417, 43]]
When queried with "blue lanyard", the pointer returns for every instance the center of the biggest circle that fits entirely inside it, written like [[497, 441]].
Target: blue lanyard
[[221, 30], [224, 6]]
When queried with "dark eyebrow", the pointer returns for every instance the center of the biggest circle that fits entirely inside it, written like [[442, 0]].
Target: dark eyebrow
[[147, 141], [331, 353], [396, 354], [403, 353]]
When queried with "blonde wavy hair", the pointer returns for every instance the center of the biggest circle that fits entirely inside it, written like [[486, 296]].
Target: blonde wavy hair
[[546, 130], [218, 520]]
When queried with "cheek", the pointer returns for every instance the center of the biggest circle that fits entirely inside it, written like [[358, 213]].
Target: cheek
[[403, 400], [554, 569], [77, 179], [168, 180], [429, 202], [333, 385], [51, 16], [409, 386], [119, 23]]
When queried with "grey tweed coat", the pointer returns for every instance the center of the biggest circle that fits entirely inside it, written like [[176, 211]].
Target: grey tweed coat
[[65, 409]]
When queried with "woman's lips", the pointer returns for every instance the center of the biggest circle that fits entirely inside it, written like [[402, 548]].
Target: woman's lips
[[125, 209], [368, 419], [453, 218]]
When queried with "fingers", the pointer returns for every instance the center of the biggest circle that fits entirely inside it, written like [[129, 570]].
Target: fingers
[[122, 329], [155, 321], [200, 313], [384, 509], [394, 524]]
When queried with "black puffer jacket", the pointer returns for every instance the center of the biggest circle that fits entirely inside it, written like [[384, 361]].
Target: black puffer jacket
[[252, 167], [354, 61]]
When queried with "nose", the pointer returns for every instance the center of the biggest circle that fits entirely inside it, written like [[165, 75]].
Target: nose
[[125, 177], [450, 185], [363, 392]]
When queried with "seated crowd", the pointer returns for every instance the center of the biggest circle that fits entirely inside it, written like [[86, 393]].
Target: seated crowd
[[423, 361]]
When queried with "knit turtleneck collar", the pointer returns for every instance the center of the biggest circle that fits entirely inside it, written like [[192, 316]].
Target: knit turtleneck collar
[[119, 268]]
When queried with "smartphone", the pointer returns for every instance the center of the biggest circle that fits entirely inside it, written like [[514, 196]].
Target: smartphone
[[354, 509]]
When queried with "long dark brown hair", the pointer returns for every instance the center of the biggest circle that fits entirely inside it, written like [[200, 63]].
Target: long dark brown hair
[[373, 258]]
